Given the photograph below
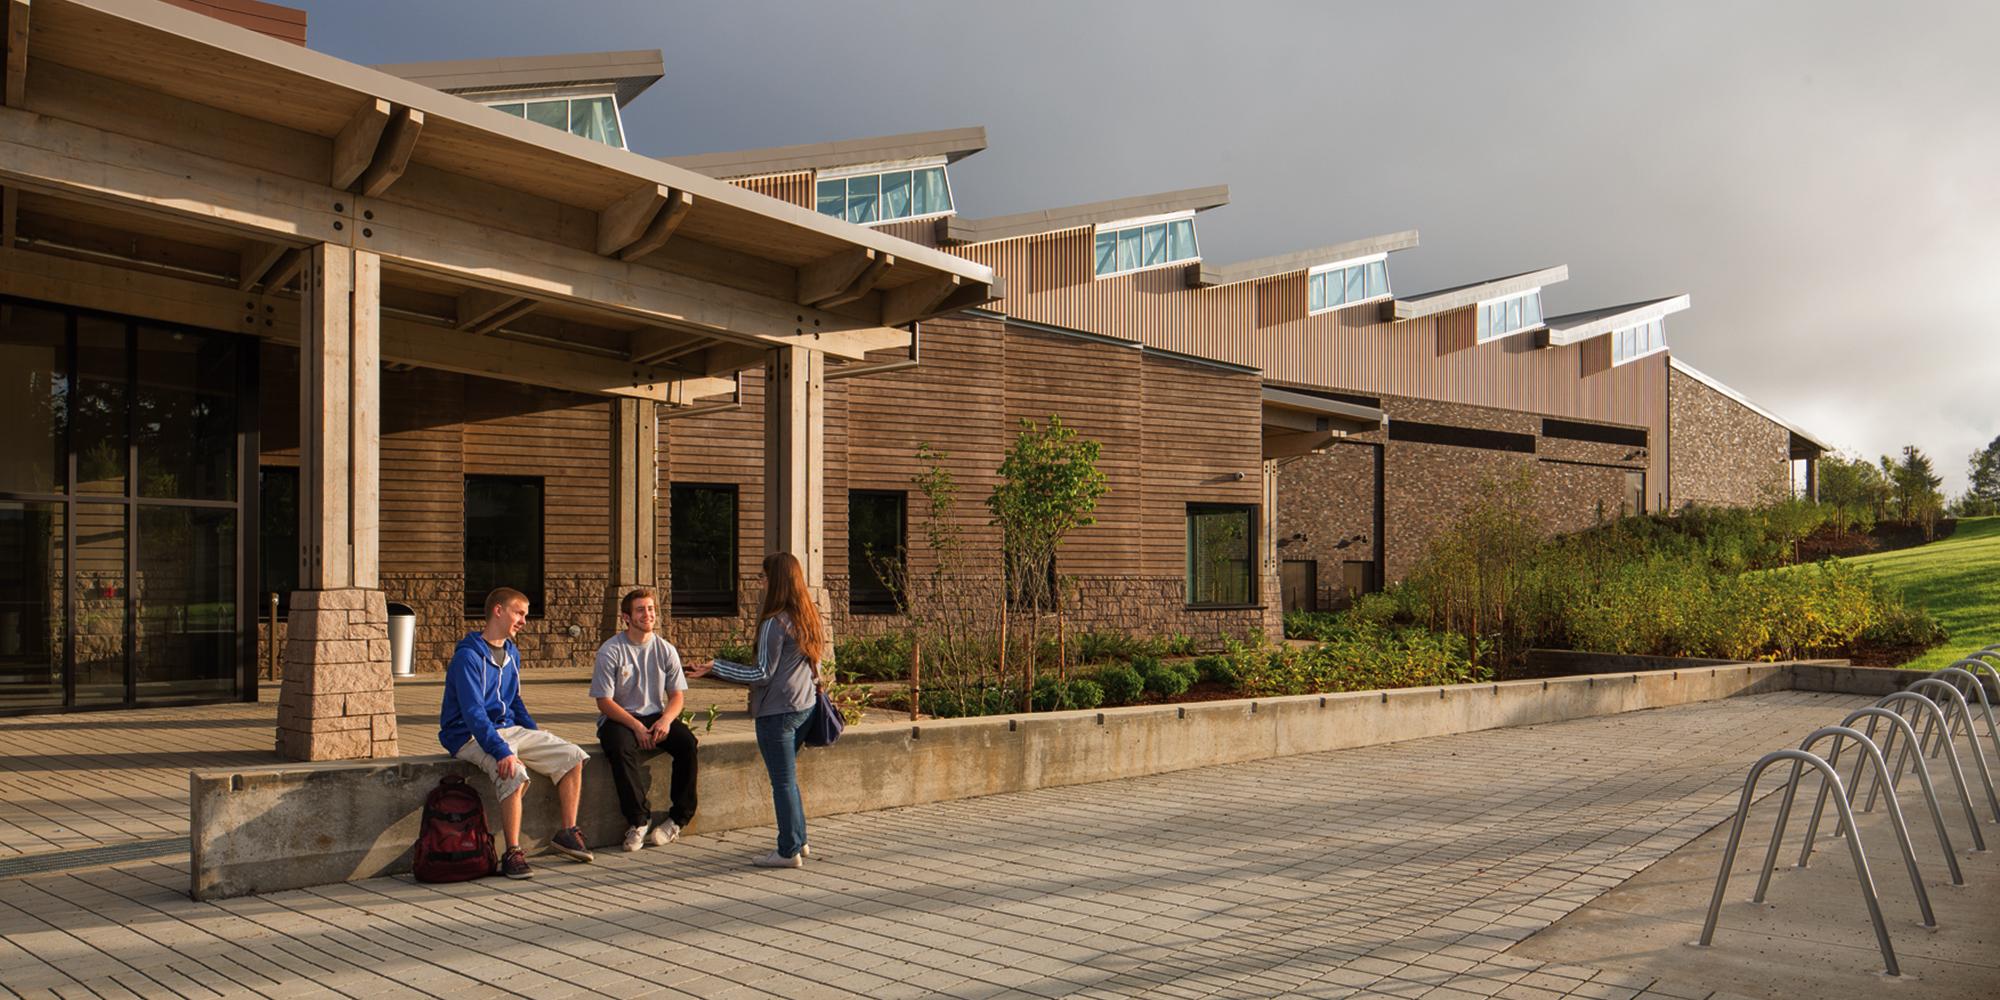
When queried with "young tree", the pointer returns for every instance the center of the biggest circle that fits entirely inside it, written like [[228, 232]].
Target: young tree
[[1982, 491], [1915, 486], [1049, 486], [1853, 490]]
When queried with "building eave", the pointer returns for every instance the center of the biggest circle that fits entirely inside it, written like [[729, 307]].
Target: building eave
[[952, 144], [1216, 275], [1448, 299], [628, 73], [1576, 328], [960, 231]]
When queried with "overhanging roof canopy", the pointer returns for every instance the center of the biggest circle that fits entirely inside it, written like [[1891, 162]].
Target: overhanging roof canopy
[[1460, 296], [1210, 275], [627, 73], [1578, 327], [147, 136], [961, 230], [1296, 423], [952, 144]]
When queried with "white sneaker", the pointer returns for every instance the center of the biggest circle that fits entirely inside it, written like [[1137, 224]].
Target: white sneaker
[[776, 860], [634, 836], [663, 834]]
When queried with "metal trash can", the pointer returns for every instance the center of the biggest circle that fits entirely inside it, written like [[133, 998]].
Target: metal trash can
[[402, 638]]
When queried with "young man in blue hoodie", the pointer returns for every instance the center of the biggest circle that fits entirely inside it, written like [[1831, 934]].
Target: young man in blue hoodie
[[483, 721]]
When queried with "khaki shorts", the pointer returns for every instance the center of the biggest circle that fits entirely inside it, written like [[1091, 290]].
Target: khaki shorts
[[539, 749]]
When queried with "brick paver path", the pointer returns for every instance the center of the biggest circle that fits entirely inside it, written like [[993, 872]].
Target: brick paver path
[[1404, 870]]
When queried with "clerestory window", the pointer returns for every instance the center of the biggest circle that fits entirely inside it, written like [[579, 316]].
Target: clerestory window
[[1145, 243], [1636, 342], [1501, 317], [1348, 282], [594, 118], [869, 196]]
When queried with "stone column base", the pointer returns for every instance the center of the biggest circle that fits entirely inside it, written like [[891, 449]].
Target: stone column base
[[337, 700]]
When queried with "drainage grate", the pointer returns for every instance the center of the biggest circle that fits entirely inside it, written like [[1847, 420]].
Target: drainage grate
[[91, 857]]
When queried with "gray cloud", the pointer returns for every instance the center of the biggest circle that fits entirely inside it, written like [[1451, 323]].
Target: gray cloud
[[1820, 176]]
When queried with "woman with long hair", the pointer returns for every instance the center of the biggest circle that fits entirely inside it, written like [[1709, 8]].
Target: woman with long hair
[[791, 644]]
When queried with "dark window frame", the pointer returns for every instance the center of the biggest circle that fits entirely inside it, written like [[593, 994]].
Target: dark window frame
[[875, 600], [1250, 534], [1577, 430], [1417, 432], [708, 603], [267, 549], [535, 588]]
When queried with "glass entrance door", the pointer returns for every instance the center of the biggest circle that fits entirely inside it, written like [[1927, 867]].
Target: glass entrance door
[[122, 446]]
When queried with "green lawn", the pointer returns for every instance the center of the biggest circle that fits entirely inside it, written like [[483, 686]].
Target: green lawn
[[1958, 579]]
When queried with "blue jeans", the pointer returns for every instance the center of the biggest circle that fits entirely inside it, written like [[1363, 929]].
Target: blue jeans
[[778, 738]]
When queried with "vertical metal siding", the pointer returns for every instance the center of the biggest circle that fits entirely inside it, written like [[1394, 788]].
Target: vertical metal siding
[[796, 186]]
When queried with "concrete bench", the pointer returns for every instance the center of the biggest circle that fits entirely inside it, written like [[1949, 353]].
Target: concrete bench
[[263, 829]]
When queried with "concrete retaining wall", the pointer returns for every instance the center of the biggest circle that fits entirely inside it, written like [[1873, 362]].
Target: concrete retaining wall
[[1566, 662], [288, 826]]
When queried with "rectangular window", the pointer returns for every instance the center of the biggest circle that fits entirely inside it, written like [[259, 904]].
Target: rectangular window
[[1576, 430], [1638, 341], [554, 114], [1461, 437], [1145, 244], [1221, 555], [596, 118], [1510, 315], [702, 540], [1635, 492], [885, 196], [861, 195], [877, 532], [503, 539], [1347, 283], [278, 535]]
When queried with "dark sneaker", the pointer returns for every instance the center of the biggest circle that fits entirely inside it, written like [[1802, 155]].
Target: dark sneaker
[[569, 843], [514, 864]]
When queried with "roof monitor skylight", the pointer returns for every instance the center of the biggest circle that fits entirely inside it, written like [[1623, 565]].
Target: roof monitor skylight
[[1510, 315], [1141, 244]]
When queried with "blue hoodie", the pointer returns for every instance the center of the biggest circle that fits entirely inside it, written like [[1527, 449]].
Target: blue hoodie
[[480, 698]]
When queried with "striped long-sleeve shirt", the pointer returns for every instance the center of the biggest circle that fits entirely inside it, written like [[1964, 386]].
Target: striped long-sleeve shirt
[[782, 679]]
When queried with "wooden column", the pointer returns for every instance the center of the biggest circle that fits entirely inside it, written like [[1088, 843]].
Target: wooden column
[[635, 499], [337, 700], [795, 460]]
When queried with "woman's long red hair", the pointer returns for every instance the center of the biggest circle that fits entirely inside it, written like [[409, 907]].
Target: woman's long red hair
[[785, 591]]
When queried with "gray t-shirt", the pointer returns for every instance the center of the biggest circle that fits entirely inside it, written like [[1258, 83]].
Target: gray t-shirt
[[639, 678]]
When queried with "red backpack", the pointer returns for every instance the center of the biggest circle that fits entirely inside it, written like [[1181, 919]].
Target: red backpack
[[454, 844]]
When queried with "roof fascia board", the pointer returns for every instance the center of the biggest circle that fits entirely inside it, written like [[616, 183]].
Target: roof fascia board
[[635, 169], [962, 230], [1289, 400], [1709, 381], [630, 73], [1471, 295], [952, 144], [1559, 335], [1217, 275]]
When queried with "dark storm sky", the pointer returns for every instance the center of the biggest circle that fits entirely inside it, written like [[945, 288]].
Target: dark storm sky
[[1823, 178]]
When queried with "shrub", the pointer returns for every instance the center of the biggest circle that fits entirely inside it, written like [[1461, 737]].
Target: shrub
[[1901, 626], [1361, 658], [1052, 696], [1122, 685], [1217, 670], [883, 657], [960, 702], [736, 652], [1165, 680], [1085, 693]]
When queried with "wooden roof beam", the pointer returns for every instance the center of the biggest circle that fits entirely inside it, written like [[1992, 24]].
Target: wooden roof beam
[[289, 264], [842, 277], [392, 152], [668, 219], [627, 218], [75, 160], [258, 259], [482, 312], [354, 148], [660, 346], [168, 299], [918, 299], [16, 95]]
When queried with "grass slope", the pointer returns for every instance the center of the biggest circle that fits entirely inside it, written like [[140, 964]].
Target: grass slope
[[1958, 579]]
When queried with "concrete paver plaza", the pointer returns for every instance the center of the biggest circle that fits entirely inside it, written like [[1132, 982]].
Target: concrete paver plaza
[[1402, 870]]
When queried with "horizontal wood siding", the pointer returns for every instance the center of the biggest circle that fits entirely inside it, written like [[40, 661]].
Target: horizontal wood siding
[[723, 448], [1202, 430], [564, 439], [1095, 388], [423, 472]]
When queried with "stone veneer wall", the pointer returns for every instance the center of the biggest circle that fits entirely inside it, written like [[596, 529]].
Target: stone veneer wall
[[1724, 453], [1330, 497]]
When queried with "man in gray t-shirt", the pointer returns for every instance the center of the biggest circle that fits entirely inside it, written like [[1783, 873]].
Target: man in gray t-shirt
[[639, 688]]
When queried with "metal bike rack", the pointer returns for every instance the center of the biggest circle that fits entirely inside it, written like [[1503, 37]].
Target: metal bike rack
[[1902, 829], [1923, 704], [1964, 712], [1977, 662], [1898, 724], [1955, 673], [1800, 758]]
